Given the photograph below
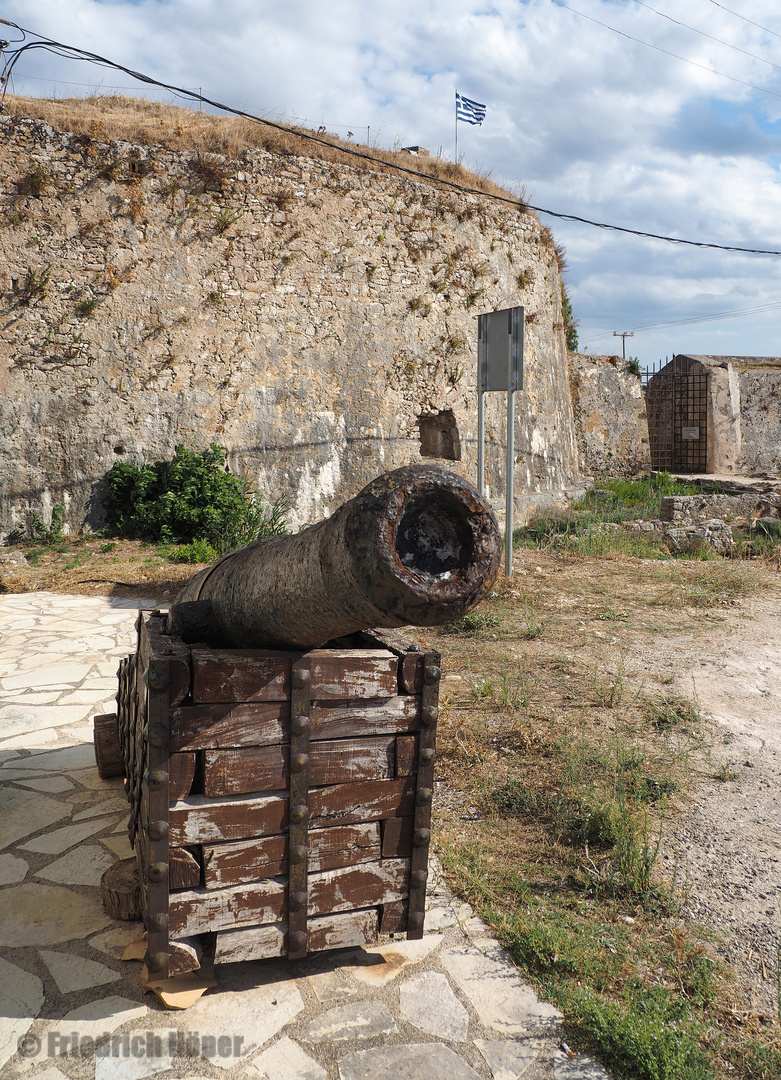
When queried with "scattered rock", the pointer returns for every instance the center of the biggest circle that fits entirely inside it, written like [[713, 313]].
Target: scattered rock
[[686, 539], [12, 558]]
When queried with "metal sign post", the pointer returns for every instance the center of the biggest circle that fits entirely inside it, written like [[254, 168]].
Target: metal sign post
[[500, 367]]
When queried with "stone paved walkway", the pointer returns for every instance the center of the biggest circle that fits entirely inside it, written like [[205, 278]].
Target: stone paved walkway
[[449, 1007]]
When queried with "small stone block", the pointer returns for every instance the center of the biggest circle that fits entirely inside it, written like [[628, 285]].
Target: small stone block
[[285, 1060], [428, 1002], [407, 1062], [503, 1001], [75, 973], [362, 1020], [507, 1058]]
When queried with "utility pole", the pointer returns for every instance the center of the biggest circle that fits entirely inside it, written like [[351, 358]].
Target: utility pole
[[623, 334]]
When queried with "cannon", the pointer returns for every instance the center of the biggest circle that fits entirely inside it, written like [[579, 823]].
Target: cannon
[[416, 547], [278, 735]]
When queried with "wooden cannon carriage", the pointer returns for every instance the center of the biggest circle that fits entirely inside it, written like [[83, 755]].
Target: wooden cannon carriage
[[280, 801]]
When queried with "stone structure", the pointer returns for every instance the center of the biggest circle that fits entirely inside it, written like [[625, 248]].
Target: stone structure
[[610, 418], [319, 320], [716, 414], [735, 506]]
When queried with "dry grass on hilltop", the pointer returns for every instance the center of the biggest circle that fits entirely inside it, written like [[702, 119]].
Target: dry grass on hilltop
[[151, 123]]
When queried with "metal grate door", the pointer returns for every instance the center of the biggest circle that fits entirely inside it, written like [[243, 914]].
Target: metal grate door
[[677, 406]]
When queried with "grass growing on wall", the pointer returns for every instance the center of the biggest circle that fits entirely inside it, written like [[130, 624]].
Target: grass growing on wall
[[585, 529], [150, 123]]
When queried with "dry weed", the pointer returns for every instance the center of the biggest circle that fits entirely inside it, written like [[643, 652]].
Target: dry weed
[[149, 123]]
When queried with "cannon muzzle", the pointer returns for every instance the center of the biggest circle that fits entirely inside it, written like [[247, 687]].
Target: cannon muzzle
[[417, 546]]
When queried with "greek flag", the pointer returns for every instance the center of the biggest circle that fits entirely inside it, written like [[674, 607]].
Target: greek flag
[[471, 112]]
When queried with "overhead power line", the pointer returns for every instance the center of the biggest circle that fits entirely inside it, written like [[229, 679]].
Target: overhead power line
[[70, 82], [649, 235], [735, 313], [112, 86], [658, 48], [74, 53], [743, 17], [710, 37]]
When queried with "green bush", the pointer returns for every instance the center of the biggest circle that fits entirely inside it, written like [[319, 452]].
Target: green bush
[[653, 1037], [759, 1062], [50, 534], [199, 551], [194, 497]]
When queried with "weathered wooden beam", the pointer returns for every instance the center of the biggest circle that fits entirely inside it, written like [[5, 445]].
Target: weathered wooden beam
[[264, 768], [207, 727], [185, 872], [108, 749], [341, 931], [200, 911], [197, 820], [242, 861]]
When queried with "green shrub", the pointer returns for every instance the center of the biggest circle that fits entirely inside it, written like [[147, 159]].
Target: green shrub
[[199, 551], [50, 534], [193, 497], [34, 183], [472, 624], [619, 500], [589, 527], [654, 1037], [516, 798]]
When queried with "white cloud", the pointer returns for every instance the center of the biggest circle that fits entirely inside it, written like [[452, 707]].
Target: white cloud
[[593, 123]]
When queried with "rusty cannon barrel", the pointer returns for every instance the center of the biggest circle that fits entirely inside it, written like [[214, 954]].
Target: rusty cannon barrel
[[417, 546]]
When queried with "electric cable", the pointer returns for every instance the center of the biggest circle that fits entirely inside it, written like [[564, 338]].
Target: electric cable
[[72, 52], [710, 37], [743, 17], [675, 56], [715, 317]]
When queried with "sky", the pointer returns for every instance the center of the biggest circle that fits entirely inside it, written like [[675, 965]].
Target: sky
[[660, 117]]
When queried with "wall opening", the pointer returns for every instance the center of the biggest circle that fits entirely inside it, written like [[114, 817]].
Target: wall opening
[[439, 436]]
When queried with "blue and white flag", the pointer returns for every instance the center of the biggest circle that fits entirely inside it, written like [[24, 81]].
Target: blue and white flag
[[471, 112]]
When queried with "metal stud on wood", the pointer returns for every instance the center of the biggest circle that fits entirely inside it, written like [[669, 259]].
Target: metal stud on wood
[[155, 797], [350, 731], [297, 937], [429, 715]]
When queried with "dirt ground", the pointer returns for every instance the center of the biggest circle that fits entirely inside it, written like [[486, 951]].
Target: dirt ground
[[707, 631], [728, 839]]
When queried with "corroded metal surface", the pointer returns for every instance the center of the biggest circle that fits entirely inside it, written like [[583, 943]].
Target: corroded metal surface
[[417, 546]]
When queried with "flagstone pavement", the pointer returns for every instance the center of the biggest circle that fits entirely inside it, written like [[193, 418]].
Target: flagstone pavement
[[448, 1007]]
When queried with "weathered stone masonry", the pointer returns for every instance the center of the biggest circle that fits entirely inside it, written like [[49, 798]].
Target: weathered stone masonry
[[316, 319], [610, 418]]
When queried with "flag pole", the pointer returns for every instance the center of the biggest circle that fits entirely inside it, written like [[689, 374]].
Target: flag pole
[[456, 157]]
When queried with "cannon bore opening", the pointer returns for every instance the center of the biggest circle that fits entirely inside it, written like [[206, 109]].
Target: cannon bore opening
[[433, 538]]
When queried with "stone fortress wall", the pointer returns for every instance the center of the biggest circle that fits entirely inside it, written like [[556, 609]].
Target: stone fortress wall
[[610, 417], [317, 319]]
